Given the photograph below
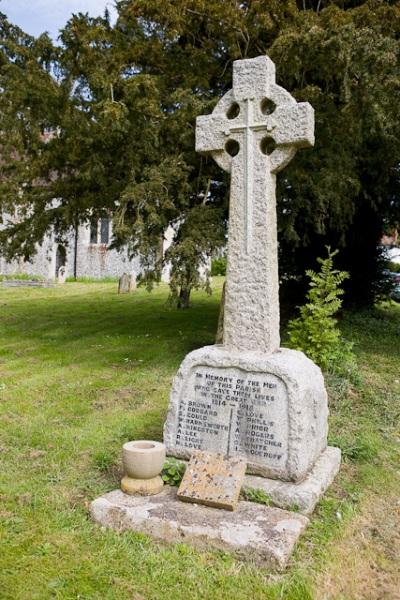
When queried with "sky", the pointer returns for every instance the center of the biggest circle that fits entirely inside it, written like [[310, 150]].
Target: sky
[[37, 16]]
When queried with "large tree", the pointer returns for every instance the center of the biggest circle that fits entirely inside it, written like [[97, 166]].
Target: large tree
[[344, 192], [121, 142], [123, 100]]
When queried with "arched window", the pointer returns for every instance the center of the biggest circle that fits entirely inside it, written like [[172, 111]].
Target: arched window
[[93, 231], [104, 231], [100, 231]]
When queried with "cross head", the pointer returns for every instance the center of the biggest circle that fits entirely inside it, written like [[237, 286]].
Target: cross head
[[256, 116]]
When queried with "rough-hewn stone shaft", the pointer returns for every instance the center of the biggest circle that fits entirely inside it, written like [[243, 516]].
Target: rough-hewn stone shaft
[[251, 318]]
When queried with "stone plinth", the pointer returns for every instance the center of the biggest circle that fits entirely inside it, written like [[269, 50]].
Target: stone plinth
[[142, 487], [253, 532], [304, 496], [271, 409]]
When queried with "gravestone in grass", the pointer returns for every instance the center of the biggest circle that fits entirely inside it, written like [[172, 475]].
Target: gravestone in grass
[[132, 283], [248, 396], [62, 275], [124, 284]]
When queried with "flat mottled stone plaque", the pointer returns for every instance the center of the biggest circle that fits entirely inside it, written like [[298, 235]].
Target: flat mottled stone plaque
[[213, 479], [253, 532]]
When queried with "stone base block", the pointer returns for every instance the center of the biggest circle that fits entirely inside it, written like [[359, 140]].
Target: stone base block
[[302, 496], [253, 532], [270, 409], [142, 487]]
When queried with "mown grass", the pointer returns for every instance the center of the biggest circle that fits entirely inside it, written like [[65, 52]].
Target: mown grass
[[83, 370]]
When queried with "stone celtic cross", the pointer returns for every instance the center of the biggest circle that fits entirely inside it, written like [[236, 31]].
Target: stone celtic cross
[[241, 406], [253, 132]]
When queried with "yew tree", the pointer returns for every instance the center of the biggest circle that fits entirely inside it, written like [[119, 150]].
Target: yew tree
[[121, 100]]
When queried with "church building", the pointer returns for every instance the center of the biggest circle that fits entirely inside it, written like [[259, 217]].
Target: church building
[[85, 254]]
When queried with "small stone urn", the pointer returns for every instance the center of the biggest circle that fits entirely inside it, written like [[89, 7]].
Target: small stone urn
[[143, 461]]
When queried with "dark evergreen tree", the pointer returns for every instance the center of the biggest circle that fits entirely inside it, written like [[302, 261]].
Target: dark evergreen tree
[[122, 101]]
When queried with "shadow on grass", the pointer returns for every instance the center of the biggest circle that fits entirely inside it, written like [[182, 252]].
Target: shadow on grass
[[97, 324], [375, 329]]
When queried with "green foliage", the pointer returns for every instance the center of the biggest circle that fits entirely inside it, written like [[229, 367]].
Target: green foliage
[[315, 331], [173, 471], [350, 193], [104, 460], [218, 266], [393, 267], [361, 446], [256, 495], [122, 100]]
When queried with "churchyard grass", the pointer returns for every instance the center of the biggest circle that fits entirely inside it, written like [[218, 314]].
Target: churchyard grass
[[83, 369], [21, 277]]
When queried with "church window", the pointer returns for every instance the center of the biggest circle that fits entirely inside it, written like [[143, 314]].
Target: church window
[[93, 231], [100, 231], [104, 231]]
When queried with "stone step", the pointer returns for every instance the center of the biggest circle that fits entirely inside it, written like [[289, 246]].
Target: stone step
[[253, 532], [305, 495], [301, 497]]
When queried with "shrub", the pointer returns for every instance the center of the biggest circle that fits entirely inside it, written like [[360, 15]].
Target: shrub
[[315, 331], [393, 267], [218, 266]]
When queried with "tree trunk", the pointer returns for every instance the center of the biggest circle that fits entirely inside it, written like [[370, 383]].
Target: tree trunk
[[160, 257], [184, 298], [220, 328]]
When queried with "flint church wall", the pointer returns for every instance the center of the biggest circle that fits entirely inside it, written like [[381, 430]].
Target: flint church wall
[[86, 256]]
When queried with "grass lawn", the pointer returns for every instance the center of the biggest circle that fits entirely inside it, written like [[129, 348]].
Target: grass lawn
[[83, 370]]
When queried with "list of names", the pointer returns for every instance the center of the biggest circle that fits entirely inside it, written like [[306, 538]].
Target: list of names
[[234, 412]]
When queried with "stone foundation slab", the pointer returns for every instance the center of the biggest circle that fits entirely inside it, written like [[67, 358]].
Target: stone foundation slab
[[253, 532]]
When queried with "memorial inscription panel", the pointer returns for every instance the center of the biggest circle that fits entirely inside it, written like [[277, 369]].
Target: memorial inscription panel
[[232, 411]]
